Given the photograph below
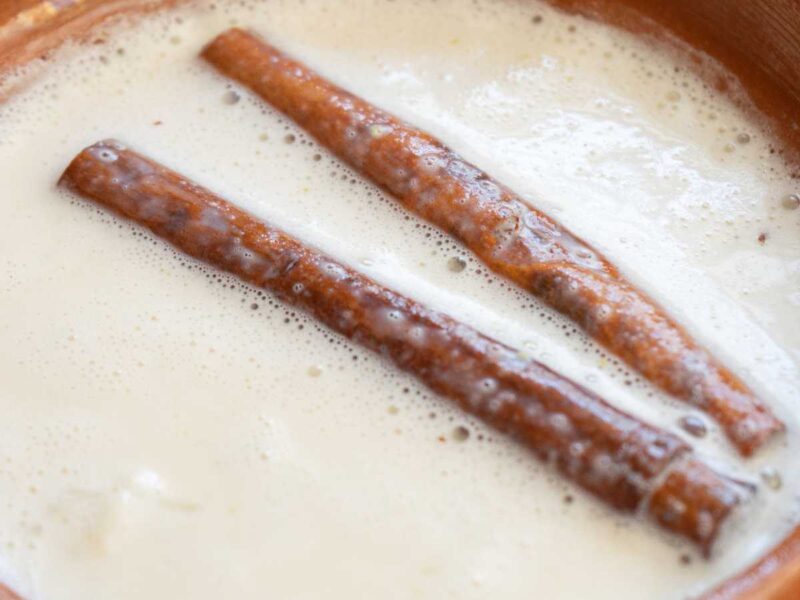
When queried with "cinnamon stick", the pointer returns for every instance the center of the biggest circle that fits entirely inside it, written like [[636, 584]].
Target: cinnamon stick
[[7, 593], [513, 238], [621, 460]]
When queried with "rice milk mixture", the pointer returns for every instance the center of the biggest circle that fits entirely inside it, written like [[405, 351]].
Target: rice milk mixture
[[170, 433]]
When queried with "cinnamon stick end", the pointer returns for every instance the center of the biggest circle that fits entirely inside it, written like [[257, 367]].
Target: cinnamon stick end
[[694, 501]]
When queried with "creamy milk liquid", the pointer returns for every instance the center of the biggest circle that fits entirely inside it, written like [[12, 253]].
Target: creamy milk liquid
[[170, 433]]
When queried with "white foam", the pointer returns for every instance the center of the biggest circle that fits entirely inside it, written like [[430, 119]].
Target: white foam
[[168, 432]]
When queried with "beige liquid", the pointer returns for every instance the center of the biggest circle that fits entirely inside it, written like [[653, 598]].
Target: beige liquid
[[169, 433]]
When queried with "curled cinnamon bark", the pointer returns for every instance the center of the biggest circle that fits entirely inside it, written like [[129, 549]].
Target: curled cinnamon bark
[[618, 458], [511, 237]]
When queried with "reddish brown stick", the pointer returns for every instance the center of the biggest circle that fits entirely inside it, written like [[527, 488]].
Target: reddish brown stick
[[510, 236], [621, 460], [7, 594]]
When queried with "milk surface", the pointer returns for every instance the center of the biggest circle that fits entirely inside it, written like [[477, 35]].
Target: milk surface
[[170, 433]]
